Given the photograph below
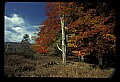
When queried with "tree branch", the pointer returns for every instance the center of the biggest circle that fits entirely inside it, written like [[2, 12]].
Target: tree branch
[[59, 48]]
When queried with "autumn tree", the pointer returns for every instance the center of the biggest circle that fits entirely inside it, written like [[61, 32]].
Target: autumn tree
[[94, 22], [46, 35], [87, 24], [55, 23]]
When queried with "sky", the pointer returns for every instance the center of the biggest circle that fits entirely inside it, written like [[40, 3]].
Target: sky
[[22, 18]]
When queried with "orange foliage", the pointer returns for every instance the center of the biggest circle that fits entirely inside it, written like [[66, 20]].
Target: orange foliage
[[88, 23]]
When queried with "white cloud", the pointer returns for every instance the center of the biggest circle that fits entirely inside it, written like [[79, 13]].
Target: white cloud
[[16, 27], [19, 29], [14, 20]]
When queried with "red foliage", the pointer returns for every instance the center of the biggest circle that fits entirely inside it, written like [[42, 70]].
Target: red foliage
[[42, 49], [90, 25]]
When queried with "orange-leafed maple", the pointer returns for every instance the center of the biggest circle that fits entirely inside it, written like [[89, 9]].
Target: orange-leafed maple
[[49, 31], [93, 24]]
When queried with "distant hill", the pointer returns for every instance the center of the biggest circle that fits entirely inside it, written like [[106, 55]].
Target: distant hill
[[12, 47], [11, 44]]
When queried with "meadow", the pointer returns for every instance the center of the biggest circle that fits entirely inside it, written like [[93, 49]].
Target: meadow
[[51, 66]]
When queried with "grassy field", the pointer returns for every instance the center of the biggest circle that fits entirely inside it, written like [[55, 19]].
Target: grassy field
[[50, 66]]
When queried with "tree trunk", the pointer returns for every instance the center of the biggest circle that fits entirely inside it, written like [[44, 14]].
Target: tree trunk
[[7, 47], [79, 58], [82, 58], [100, 61], [63, 36], [63, 39]]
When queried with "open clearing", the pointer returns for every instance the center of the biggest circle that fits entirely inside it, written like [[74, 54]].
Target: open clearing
[[50, 66]]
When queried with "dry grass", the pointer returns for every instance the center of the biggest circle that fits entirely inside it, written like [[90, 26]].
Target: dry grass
[[18, 66]]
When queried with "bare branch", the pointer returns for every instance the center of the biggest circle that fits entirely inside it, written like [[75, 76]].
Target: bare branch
[[59, 48]]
